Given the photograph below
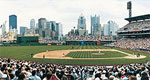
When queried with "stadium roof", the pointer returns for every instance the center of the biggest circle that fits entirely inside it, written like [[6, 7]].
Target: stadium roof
[[136, 18]]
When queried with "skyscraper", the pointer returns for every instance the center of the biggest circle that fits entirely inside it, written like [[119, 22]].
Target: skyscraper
[[42, 23], [59, 30], [113, 27], [32, 24], [105, 30], [41, 26], [110, 28], [81, 22], [102, 30], [48, 25], [13, 22], [22, 30], [95, 21], [53, 25], [3, 28], [82, 25]]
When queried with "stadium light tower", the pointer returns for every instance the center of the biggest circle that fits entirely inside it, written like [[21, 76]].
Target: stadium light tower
[[129, 7]]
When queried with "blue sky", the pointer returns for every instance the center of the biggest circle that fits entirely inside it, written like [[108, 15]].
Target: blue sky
[[68, 11]]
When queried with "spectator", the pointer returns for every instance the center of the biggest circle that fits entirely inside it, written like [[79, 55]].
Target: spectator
[[34, 76], [26, 70], [2, 73]]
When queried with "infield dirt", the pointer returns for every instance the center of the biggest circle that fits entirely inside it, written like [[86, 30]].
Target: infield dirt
[[58, 54]]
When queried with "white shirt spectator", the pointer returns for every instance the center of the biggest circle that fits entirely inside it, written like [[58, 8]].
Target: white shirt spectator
[[35, 77], [2, 75]]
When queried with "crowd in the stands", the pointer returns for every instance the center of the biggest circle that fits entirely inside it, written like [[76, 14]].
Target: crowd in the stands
[[90, 38], [51, 41], [109, 38], [132, 43], [11, 69], [82, 38], [136, 26]]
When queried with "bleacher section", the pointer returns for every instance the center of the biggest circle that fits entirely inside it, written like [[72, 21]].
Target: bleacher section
[[134, 35], [139, 25]]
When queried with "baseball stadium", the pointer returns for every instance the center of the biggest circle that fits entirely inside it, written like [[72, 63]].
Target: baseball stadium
[[122, 57]]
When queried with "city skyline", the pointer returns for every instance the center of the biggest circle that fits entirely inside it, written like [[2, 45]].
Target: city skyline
[[68, 14]]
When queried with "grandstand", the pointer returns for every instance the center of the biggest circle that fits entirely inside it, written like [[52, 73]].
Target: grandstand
[[137, 26], [135, 34], [90, 39], [12, 69], [86, 39]]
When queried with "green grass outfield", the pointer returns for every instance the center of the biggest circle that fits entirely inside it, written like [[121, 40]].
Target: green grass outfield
[[89, 54], [23, 53]]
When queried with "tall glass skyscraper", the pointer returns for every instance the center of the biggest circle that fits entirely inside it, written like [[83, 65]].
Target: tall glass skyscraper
[[42, 23], [53, 25], [110, 28], [105, 30], [32, 24], [41, 27], [59, 29], [81, 27], [81, 22], [113, 27], [13, 22], [95, 22], [22, 30]]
